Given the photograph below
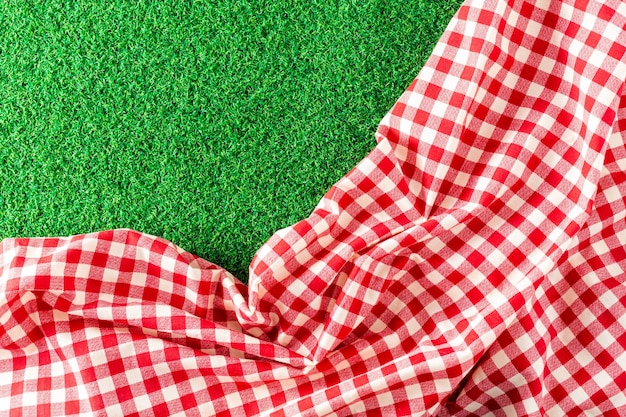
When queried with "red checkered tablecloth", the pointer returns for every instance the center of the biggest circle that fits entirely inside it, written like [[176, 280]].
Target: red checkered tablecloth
[[472, 264]]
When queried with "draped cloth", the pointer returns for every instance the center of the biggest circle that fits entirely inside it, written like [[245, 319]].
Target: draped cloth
[[473, 263]]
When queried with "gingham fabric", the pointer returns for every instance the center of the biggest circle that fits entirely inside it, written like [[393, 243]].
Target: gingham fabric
[[472, 264]]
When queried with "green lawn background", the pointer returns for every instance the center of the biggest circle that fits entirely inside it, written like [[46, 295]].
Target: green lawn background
[[212, 124]]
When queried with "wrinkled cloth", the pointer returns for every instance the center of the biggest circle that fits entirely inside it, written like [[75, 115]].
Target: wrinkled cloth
[[473, 263]]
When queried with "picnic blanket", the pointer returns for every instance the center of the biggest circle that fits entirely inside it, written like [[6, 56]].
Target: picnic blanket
[[472, 264]]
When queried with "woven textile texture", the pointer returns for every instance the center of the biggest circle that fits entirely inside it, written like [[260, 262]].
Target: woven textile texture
[[473, 263]]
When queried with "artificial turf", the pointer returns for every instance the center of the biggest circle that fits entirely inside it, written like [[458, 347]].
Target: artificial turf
[[212, 124]]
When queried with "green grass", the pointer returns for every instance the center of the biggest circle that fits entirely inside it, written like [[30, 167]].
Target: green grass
[[212, 124]]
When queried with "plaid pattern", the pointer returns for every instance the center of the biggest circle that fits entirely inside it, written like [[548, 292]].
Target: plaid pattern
[[473, 264]]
